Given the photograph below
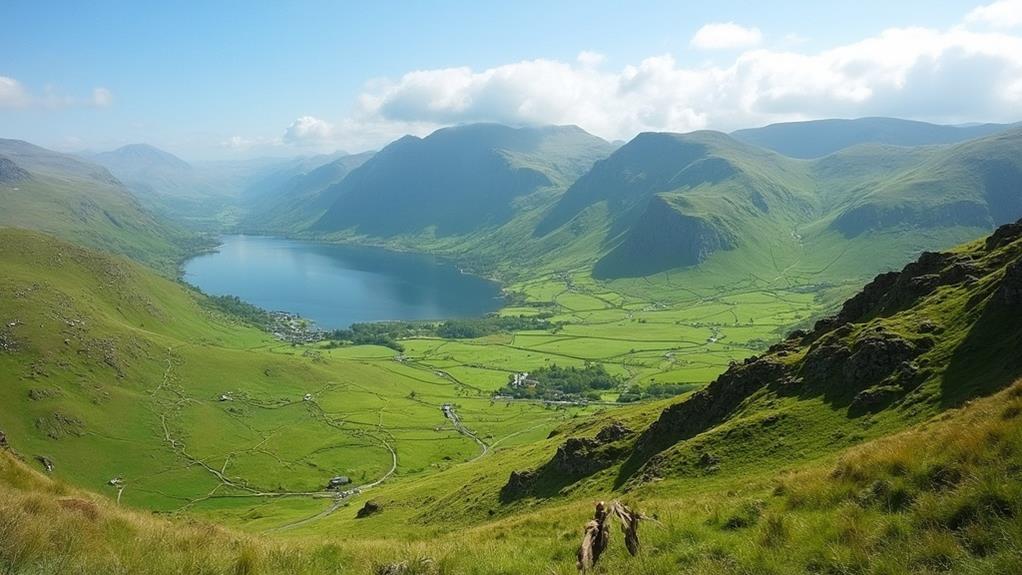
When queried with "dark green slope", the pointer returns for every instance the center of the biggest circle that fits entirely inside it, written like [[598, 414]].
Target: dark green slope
[[84, 203], [817, 138], [668, 201], [672, 200], [457, 180]]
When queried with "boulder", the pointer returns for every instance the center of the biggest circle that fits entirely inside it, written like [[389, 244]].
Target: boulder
[[46, 462], [613, 432], [3, 439], [370, 508]]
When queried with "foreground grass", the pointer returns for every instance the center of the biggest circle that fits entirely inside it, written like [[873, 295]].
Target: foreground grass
[[943, 497]]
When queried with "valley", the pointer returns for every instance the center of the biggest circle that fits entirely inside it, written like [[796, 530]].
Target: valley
[[681, 323]]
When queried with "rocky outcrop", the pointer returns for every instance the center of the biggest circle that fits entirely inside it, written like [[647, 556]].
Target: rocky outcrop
[[1010, 290], [582, 455], [1004, 235], [876, 355], [576, 457], [713, 404], [11, 173], [518, 485]]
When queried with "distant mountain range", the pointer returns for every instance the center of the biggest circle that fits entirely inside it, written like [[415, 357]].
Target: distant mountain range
[[457, 180], [503, 199], [83, 202], [818, 138]]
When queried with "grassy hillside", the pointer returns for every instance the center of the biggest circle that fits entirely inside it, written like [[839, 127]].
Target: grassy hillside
[[885, 440], [84, 203], [213, 415], [818, 138]]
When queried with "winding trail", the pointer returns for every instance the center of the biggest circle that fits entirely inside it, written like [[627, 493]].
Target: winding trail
[[450, 414]]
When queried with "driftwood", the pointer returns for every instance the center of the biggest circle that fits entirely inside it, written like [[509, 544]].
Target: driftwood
[[596, 536]]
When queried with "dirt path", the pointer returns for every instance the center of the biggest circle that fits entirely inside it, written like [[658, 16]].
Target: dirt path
[[450, 414]]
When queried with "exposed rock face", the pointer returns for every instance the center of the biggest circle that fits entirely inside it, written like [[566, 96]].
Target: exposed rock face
[[875, 355], [1010, 292], [370, 508], [613, 432], [11, 173], [582, 456], [518, 485], [713, 404], [1004, 235]]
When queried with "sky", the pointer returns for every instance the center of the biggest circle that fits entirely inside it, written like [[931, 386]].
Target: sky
[[229, 79]]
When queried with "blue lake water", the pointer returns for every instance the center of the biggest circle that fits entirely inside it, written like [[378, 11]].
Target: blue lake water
[[336, 285]]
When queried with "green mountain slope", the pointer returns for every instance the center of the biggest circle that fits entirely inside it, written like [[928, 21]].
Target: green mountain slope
[[300, 199], [84, 203], [975, 184], [669, 201], [818, 138], [457, 180]]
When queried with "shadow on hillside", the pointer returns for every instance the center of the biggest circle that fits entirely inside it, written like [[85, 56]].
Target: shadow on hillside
[[988, 359]]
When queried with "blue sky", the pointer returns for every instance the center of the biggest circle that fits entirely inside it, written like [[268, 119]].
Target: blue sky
[[235, 79]]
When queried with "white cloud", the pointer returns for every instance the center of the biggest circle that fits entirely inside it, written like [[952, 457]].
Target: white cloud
[[102, 97], [953, 75], [725, 36], [308, 130], [12, 94], [589, 58], [1002, 14]]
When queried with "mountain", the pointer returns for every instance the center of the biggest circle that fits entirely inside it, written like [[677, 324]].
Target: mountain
[[975, 184], [673, 201], [294, 198], [66, 196], [818, 138], [457, 180]]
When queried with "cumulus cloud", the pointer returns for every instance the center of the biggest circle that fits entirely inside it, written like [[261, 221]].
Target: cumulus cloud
[[12, 93], [725, 36], [961, 74], [1001, 14], [308, 130], [954, 75]]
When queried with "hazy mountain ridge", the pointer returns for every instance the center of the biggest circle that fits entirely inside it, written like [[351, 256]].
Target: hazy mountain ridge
[[818, 138], [66, 196]]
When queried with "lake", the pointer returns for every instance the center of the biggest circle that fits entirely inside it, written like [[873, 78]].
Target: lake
[[337, 285]]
